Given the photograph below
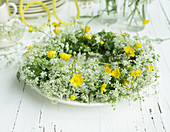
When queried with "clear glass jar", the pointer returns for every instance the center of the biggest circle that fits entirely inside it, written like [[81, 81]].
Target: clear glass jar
[[108, 11], [133, 13], [88, 8]]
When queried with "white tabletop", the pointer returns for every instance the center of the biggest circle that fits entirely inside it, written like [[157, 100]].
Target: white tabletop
[[23, 110]]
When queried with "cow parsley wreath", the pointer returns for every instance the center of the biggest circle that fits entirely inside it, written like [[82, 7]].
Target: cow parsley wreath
[[80, 66]]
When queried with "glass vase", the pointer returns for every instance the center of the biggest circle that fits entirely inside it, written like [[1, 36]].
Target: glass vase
[[88, 8], [108, 11], [133, 13]]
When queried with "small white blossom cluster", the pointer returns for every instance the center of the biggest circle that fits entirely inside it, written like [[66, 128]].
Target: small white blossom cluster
[[118, 67]]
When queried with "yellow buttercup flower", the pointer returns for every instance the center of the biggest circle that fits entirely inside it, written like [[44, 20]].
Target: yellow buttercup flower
[[124, 84], [129, 51], [65, 56], [130, 84], [107, 70], [113, 33], [103, 88], [30, 47], [102, 43], [89, 36], [84, 36], [30, 29], [149, 68], [51, 54], [56, 31], [145, 22], [136, 73], [123, 34], [72, 97], [106, 65], [76, 80], [116, 73], [87, 28], [55, 24], [138, 45]]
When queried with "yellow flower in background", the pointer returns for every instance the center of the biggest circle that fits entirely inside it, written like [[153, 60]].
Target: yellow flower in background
[[123, 34], [87, 28], [56, 31], [30, 47], [72, 97], [65, 56], [137, 73], [116, 73], [76, 80], [106, 65], [145, 22], [55, 24], [103, 88], [107, 70], [51, 54], [113, 33], [138, 45], [30, 29], [90, 35], [129, 51], [149, 68], [102, 43]]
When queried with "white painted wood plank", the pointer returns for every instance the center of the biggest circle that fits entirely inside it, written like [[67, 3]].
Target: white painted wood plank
[[11, 94], [29, 112]]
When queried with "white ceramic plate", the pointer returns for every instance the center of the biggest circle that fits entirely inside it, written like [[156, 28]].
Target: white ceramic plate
[[28, 1], [43, 13], [41, 9], [74, 103]]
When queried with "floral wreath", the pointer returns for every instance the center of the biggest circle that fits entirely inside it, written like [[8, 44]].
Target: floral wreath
[[80, 66]]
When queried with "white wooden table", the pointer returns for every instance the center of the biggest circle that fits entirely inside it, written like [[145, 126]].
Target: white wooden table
[[23, 110]]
